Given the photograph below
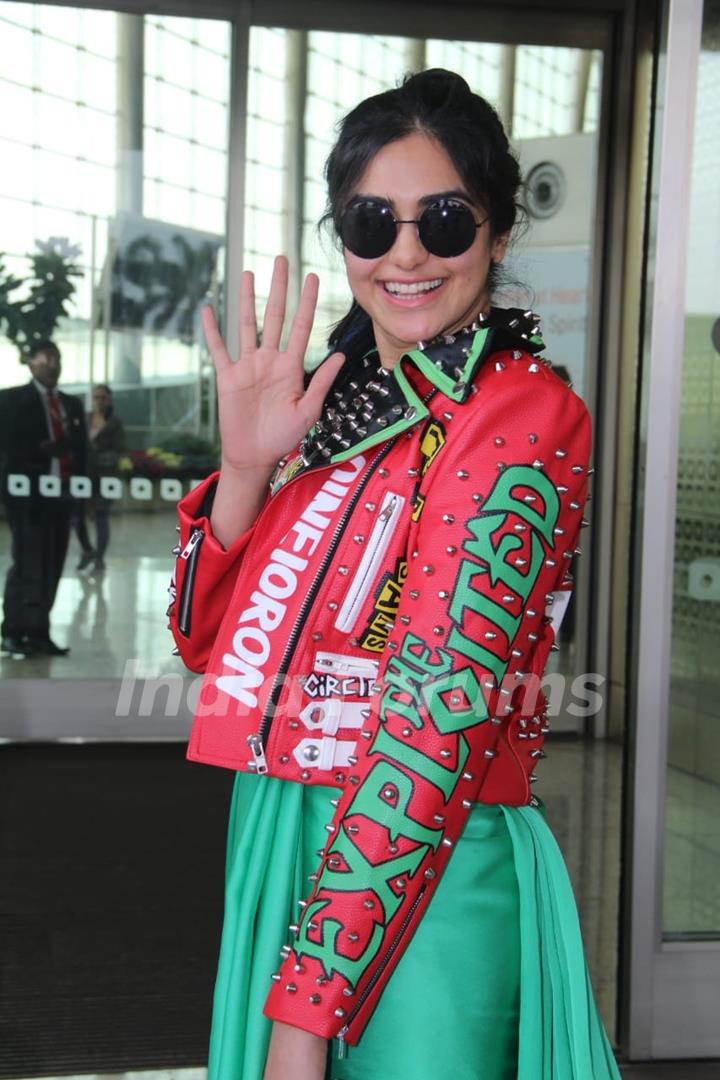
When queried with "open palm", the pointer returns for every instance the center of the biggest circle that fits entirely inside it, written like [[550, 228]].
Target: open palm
[[264, 409]]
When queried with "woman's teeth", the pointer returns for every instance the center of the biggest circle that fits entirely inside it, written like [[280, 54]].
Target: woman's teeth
[[398, 288]]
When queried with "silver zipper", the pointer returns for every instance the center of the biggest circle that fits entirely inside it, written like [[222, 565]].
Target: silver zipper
[[377, 545], [258, 754], [195, 537], [387, 957], [340, 664], [190, 555]]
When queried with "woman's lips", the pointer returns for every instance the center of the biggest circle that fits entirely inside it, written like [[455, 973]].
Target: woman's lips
[[412, 299]]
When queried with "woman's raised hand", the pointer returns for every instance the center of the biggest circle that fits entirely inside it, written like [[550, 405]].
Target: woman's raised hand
[[264, 410]]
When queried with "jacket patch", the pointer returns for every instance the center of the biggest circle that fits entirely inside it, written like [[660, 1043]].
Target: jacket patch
[[431, 443], [385, 608], [284, 473]]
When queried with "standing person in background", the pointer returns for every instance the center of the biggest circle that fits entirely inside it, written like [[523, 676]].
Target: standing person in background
[[106, 444], [42, 433]]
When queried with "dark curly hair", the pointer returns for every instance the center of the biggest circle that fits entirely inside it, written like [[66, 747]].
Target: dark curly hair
[[439, 104]]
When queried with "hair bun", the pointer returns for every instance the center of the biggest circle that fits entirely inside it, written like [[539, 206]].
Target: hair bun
[[437, 87]]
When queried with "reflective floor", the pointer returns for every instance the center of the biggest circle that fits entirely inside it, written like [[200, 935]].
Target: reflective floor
[[112, 617]]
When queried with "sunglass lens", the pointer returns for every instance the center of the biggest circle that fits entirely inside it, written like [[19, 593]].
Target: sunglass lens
[[447, 230], [367, 229]]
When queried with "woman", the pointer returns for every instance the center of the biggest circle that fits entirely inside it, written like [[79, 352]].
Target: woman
[[371, 617], [107, 441]]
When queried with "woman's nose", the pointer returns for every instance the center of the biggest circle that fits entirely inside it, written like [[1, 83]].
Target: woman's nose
[[407, 251]]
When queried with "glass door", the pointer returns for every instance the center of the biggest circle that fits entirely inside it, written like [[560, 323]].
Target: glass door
[[676, 894], [256, 104], [549, 93]]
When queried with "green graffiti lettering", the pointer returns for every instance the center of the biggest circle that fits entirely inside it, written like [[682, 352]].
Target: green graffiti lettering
[[401, 679], [414, 651], [326, 949], [473, 651], [465, 596], [394, 816], [362, 874], [501, 500], [392, 705], [438, 695], [494, 557], [422, 765]]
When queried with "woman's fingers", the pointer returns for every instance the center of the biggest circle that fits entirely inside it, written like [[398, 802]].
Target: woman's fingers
[[213, 339], [303, 320], [275, 308], [248, 323]]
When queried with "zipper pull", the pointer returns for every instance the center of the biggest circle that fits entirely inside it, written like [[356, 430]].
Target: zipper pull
[[342, 1046], [258, 753], [195, 538], [389, 510]]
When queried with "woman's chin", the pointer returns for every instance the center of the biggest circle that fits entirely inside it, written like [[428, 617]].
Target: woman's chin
[[411, 331]]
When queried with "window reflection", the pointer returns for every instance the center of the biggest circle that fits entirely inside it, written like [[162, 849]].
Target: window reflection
[[146, 205]]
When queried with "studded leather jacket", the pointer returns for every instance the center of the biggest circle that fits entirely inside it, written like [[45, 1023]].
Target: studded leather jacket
[[382, 628]]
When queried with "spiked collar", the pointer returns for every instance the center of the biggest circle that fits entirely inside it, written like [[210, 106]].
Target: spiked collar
[[368, 404]]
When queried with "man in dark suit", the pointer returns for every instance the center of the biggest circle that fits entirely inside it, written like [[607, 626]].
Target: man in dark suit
[[42, 435]]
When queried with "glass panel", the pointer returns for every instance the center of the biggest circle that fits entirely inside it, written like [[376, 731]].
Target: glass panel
[[144, 226], [692, 813]]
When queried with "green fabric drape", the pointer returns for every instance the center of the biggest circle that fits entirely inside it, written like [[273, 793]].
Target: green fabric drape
[[493, 985]]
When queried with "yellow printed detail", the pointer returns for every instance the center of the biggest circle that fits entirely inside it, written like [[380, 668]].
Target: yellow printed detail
[[418, 507], [432, 442], [285, 473], [387, 602]]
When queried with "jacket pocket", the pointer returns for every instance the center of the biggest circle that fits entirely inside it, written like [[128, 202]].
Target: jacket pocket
[[190, 554], [365, 575]]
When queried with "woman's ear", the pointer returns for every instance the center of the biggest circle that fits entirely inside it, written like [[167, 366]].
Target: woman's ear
[[499, 247]]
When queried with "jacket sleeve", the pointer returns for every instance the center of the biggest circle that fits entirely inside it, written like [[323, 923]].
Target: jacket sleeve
[[204, 576], [501, 512]]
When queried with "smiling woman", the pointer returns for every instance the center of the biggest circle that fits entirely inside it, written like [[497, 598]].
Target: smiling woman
[[373, 572], [412, 291]]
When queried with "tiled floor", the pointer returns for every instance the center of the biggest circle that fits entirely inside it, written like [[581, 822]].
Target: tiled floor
[[110, 618]]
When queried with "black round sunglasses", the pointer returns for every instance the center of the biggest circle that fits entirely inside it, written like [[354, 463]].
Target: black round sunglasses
[[445, 228]]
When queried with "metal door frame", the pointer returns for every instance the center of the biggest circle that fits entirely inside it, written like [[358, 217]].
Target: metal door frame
[[672, 986], [608, 25]]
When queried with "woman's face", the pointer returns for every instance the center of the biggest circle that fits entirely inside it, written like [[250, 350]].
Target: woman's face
[[101, 399], [449, 292]]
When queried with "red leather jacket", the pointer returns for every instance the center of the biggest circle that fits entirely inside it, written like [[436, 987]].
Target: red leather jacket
[[382, 629]]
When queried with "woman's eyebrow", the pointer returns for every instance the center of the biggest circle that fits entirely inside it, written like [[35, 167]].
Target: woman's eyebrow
[[456, 193], [424, 200]]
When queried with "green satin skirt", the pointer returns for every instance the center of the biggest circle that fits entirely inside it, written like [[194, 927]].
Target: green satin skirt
[[493, 985]]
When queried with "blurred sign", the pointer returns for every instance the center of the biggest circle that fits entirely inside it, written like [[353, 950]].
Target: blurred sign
[[558, 280], [159, 275]]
